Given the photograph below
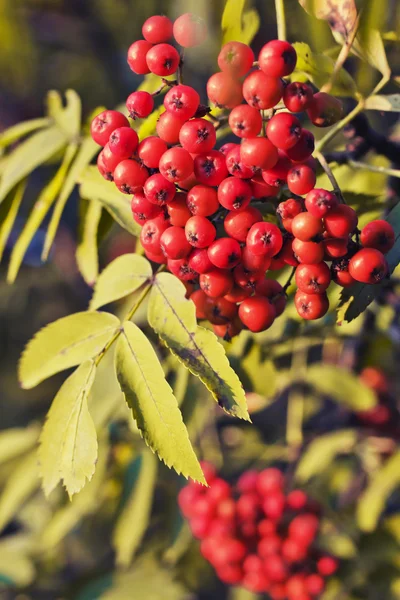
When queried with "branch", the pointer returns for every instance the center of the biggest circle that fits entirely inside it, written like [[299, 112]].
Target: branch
[[324, 164]]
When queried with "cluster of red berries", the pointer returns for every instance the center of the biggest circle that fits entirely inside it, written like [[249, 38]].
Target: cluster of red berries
[[199, 207], [257, 536]]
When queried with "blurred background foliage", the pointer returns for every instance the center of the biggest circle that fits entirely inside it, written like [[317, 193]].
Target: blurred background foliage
[[56, 549]]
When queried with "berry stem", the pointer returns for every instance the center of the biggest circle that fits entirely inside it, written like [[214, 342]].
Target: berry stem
[[180, 66], [324, 164], [289, 281], [280, 19]]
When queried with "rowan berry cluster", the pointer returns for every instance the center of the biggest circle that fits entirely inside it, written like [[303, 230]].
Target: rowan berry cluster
[[258, 536], [202, 209]]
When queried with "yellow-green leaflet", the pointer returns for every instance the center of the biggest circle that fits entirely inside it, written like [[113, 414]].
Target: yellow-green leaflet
[[64, 344], [322, 451], [87, 251], [351, 392], [153, 404], [20, 130], [19, 486], [238, 24], [173, 318], [9, 211], [134, 518], [121, 277], [68, 443]]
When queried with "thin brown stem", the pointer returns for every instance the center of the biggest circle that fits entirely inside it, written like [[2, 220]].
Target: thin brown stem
[[341, 59], [324, 164]]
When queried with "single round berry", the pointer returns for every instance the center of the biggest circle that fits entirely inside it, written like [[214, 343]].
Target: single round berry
[[306, 227], [176, 164], [200, 300], [368, 266], [245, 121], [224, 91], [261, 91], [105, 123], [182, 101], [313, 278], [189, 30], [303, 149], [220, 311], [142, 209], [174, 244], [200, 232], [151, 233], [157, 29], [272, 290], [210, 167], [199, 261], [253, 262], [216, 283], [378, 234], [225, 253], [311, 306], [168, 127], [150, 150], [325, 110], [297, 500], [277, 175], [340, 273], [247, 279], [237, 223], [315, 584], [123, 142], [327, 566], [139, 104], [301, 179], [234, 193], [202, 200], [335, 247], [197, 136], [181, 269], [177, 210], [277, 58], [257, 313], [235, 165], [109, 160], [137, 57], [258, 153], [297, 96], [162, 59], [340, 221], [238, 294], [130, 176], [308, 252], [159, 190], [261, 189], [319, 202], [236, 58], [264, 239], [284, 130]]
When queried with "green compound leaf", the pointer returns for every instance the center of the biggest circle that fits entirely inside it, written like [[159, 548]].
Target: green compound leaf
[[67, 118], [20, 130], [321, 452], [341, 385], [134, 518], [362, 293], [121, 277], [87, 251], [153, 404], [8, 213], [239, 24], [173, 318], [29, 155], [373, 500], [68, 443], [94, 187], [64, 344]]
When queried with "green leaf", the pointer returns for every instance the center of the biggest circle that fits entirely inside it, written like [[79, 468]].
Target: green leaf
[[20, 485], [68, 443], [94, 187], [389, 103], [29, 155], [369, 46], [87, 251], [20, 130], [319, 68], [65, 343], [134, 519], [173, 318], [8, 213], [38, 213], [66, 518], [373, 500], [16, 441], [67, 118], [153, 404], [363, 294], [121, 277], [239, 24], [340, 14], [87, 150], [351, 392], [321, 452]]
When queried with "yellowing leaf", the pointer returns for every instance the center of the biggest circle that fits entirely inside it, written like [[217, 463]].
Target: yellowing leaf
[[389, 103], [86, 251], [369, 46], [239, 24], [341, 385], [87, 150], [94, 187], [68, 443], [121, 277], [319, 68], [38, 213], [16, 441], [64, 344], [153, 404], [340, 14], [20, 130], [321, 452], [19, 486], [8, 213], [134, 518], [29, 155], [173, 318], [373, 500]]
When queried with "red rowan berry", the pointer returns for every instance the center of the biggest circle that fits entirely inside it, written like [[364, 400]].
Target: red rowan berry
[[261, 189], [210, 167], [237, 294], [272, 290], [199, 261], [340, 221], [297, 499], [224, 91], [258, 153], [176, 164], [335, 247], [264, 239], [123, 142], [327, 566], [189, 30], [237, 223], [200, 232], [234, 193], [139, 104], [284, 130], [303, 149], [202, 200], [162, 59], [168, 127], [137, 56], [368, 266], [306, 227], [224, 253], [235, 165], [142, 209], [151, 233], [157, 29], [150, 150], [277, 175], [257, 313], [181, 269], [174, 244], [311, 306], [319, 202], [340, 272], [159, 190], [130, 176], [245, 121], [262, 91], [325, 110], [182, 101], [297, 96], [313, 278], [308, 252], [315, 584], [219, 311], [277, 58], [197, 135], [301, 179], [236, 58], [378, 234], [105, 123]]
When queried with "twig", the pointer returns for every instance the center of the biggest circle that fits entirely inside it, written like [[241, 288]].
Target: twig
[[341, 59], [280, 19], [289, 281], [322, 160], [355, 164]]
